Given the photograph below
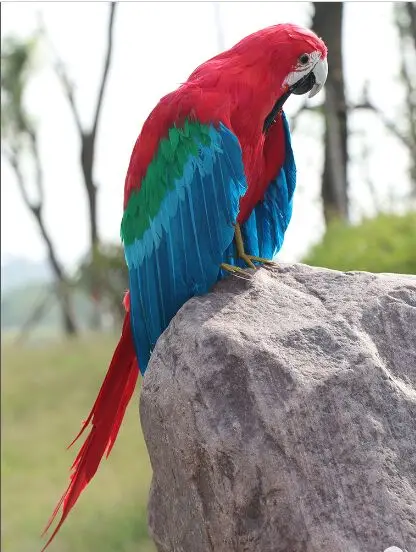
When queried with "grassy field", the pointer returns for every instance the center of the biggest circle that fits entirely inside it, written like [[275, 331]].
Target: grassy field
[[46, 393]]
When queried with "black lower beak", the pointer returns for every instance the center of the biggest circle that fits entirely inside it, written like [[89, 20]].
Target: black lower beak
[[303, 86]]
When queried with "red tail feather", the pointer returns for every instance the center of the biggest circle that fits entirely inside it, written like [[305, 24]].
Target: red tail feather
[[106, 417]]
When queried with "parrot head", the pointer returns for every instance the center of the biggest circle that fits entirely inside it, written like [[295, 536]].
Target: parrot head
[[302, 64], [303, 57], [262, 70]]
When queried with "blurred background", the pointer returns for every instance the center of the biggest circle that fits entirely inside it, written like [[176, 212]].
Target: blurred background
[[77, 82]]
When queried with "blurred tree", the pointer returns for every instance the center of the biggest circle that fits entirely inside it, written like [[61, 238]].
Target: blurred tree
[[108, 269], [88, 136], [405, 17], [404, 127], [88, 139], [19, 144], [328, 23]]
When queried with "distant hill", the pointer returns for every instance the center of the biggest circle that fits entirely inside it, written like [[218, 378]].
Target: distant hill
[[18, 302], [17, 272], [25, 287], [26, 290]]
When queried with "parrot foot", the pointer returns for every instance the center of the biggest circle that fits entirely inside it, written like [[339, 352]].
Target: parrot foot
[[261, 260], [235, 270], [248, 259]]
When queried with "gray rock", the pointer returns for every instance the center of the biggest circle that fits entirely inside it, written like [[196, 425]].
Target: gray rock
[[280, 415]]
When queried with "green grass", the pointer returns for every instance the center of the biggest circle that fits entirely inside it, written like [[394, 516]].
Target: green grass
[[46, 393]]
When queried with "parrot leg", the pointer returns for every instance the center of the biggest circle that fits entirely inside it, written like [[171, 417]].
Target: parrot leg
[[243, 255]]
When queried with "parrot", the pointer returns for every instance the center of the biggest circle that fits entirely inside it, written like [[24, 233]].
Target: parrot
[[208, 193]]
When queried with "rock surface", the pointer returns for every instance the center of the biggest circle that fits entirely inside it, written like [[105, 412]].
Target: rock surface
[[280, 416]]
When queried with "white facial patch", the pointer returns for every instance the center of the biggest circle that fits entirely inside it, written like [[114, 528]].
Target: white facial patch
[[302, 69]]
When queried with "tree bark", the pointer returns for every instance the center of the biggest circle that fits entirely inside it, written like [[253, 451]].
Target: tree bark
[[87, 164], [327, 23]]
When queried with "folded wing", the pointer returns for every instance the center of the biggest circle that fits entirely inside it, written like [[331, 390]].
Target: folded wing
[[178, 226]]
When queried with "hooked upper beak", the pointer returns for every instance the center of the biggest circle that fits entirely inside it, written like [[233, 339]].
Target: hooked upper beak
[[320, 72]]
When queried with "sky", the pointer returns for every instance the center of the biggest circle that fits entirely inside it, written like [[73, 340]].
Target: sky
[[156, 47]]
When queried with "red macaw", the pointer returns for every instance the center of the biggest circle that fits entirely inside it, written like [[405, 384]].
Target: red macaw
[[208, 191]]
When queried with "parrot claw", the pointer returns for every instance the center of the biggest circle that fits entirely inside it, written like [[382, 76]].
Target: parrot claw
[[235, 270], [261, 260]]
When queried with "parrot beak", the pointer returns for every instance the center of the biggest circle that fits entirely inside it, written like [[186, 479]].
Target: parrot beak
[[320, 72], [311, 81]]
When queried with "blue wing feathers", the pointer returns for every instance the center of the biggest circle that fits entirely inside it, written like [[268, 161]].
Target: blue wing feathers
[[180, 254]]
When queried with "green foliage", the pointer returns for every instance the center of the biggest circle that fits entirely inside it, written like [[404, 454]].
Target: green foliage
[[386, 243], [17, 57], [166, 166], [46, 393]]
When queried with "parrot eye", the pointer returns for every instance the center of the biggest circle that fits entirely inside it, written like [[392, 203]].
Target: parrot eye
[[304, 58]]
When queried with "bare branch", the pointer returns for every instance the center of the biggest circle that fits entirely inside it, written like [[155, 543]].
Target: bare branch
[[366, 104], [38, 166], [61, 72], [69, 90], [106, 68], [13, 158]]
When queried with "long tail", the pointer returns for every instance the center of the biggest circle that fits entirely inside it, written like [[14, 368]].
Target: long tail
[[106, 417]]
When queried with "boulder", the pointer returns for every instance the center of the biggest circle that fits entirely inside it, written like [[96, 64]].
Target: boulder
[[279, 413]]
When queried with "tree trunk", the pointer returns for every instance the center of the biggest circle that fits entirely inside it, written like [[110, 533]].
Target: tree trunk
[[67, 313], [327, 23], [87, 164], [63, 295]]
